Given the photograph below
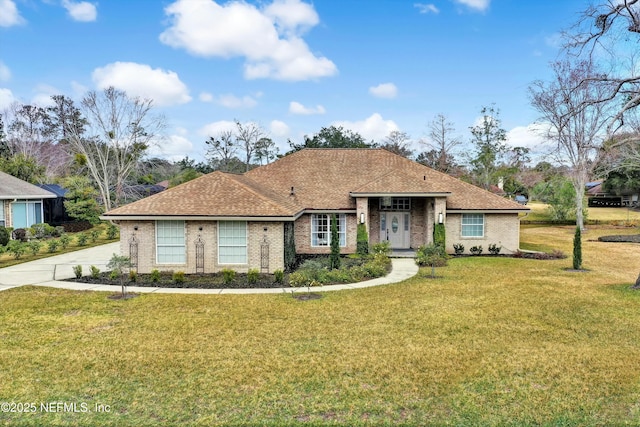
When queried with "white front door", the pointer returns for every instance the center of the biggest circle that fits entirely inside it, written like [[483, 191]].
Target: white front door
[[394, 227]]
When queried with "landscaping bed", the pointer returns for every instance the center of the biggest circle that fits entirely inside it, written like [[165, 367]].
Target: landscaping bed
[[313, 272], [632, 238]]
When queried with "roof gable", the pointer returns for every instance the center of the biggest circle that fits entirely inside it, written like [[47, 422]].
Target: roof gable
[[15, 188]]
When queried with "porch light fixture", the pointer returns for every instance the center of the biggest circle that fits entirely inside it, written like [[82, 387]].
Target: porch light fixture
[[440, 218], [361, 217]]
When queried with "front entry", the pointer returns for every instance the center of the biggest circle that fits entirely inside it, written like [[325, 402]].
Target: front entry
[[394, 227]]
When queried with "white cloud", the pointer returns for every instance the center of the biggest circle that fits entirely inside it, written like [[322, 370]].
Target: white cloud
[[426, 8], [384, 90], [479, 5], [82, 11], [279, 128], [373, 127], [9, 15], [79, 90], [215, 128], [206, 97], [44, 94], [530, 136], [292, 16], [268, 39], [5, 72], [6, 98], [297, 108], [174, 147], [232, 101], [164, 87], [229, 100]]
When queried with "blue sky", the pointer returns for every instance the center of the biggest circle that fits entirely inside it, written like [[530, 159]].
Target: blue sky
[[291, 66]]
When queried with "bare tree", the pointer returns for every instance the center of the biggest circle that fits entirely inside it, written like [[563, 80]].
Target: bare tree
[[248, 135], [30, 136], [605, 31], [222, 148], [398, 142], [442, 140], [575, 120], [119, 130]]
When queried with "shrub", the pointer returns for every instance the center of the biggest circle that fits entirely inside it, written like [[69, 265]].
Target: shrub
[[313, 264], [334, 258], [114, 275], [228, 276], [112, 231], [57, 231], [52, 245], [382, 248], [65, 239], [16, 248], [362, 240], [289, 247], [439, 235], [178, 277], [476, 250], [299, 279], [95, 233], [155, 276], [494, 249], [42, 230], [34, 247], [19, 234], [77, 271], [278, 276], [433, 255], [95, 272], [577, 249], [82, 239], [458, 248], [253, 275], [133, 276], [4, 236]]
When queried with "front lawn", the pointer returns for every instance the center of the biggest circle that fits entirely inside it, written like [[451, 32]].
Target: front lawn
[[492, 341]]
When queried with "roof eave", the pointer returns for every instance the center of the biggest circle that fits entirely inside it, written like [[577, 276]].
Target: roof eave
[[399, 194], [147, 217]]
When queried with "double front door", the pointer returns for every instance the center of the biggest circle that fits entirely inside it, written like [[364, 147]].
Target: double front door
[[394, 227]]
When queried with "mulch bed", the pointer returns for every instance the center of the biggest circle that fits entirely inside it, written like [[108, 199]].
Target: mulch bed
[[192, 281], [633, 238]]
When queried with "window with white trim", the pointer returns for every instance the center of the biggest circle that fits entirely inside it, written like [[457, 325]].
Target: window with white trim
[[472, 225], [2, 218], [232, 242], [170, 242], [321, 229]]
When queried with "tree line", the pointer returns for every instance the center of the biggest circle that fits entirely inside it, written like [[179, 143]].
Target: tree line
[[99, 148]]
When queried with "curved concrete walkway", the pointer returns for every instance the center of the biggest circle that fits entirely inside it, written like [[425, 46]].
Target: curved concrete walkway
[[44, 272]]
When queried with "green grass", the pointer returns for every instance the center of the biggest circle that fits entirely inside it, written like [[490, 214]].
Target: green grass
[[539, 212], [7, 259], [493, 341]]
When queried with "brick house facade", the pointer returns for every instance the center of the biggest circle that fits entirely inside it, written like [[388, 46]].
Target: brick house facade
[[223, 220]]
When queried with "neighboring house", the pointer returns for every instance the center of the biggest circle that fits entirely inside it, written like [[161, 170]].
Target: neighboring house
[[21, 203], [600, 198], [222, 220]]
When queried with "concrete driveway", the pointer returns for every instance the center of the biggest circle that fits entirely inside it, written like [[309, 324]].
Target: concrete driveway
[[56, 267]]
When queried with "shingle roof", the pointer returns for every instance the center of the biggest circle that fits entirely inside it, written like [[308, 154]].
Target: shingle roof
[[215, 194], [321, 179], [15, 188]]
